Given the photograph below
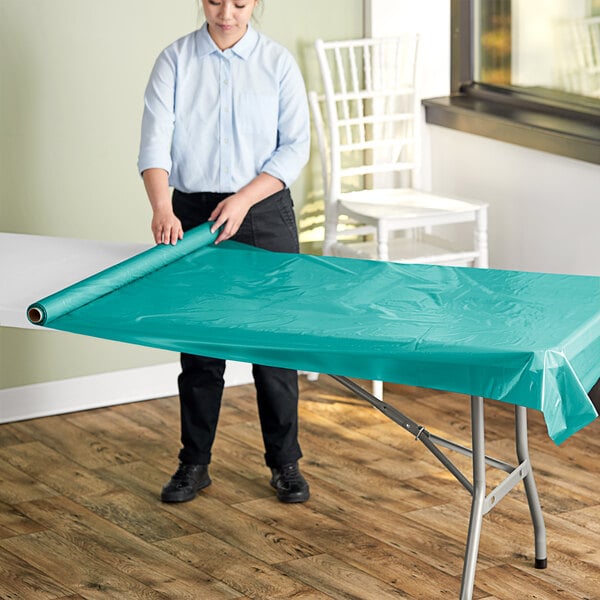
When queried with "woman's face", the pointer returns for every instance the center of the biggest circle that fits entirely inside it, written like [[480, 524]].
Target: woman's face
[[228, 20]]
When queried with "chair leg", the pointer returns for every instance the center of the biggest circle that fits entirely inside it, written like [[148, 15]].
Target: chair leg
[[378, 389], [331, 218], [481, 238], [383, 252]]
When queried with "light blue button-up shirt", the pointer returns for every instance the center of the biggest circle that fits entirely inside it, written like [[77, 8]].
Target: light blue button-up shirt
[[216, 119]]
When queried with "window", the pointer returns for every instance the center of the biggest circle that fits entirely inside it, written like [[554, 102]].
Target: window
[[538, 43], [526, 72]]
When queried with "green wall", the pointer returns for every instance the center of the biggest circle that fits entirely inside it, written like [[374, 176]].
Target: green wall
[[72, 76]]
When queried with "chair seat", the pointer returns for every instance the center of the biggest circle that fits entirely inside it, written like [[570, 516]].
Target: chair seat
[[406, 208], [426, 250]]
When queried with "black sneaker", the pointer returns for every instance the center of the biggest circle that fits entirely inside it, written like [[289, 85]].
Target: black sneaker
[[187, 481], [290, 484]]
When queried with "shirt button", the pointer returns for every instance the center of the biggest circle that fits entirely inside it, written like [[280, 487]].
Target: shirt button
[[226, 169], [225, 81]]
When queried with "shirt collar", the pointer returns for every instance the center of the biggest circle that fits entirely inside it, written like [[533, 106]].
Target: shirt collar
[[243, 48]]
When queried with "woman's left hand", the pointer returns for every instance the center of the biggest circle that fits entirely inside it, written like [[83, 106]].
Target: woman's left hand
[[229, 213], [233, 210]]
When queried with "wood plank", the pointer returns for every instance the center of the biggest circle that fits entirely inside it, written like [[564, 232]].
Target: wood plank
[[498, 543], [146, 480], [14, 522], [39, 462], [128, 554], [236, 528], [562, 469], [432, 546], [82, 573], [79, 445], [11, 435], [146, 520], [512, 516], [587, 517], [236, 568], [340, 580], [16, 485], [507, 581], [162, 415], [362, 449], [146, 415], [567, 572], [392, 563], [242, 449], [19, 579], [115, 428]]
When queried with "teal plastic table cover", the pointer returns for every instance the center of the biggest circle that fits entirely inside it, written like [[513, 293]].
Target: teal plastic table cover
[[531, 339]]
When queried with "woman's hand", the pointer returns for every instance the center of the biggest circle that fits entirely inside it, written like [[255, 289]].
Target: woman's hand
[[166, 227], [233, 210], [230, 214]]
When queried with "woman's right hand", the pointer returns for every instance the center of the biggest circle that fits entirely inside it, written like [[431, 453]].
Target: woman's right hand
[[166, 227]]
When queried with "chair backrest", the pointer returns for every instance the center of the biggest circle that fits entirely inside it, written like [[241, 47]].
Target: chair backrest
[[315, 102], [370, 107]]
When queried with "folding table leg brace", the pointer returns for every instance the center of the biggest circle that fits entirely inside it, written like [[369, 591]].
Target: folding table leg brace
[[482, 503]]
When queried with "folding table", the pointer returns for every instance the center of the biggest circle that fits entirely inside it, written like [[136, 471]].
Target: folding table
[[528, 339]]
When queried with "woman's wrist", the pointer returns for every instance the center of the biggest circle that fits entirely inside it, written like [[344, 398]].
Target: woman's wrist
[[162, 208], [261, 187]]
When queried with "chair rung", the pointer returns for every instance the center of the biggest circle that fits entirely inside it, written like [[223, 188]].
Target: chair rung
[[362, 42], [374, 144], [375, 119], [372, 94], [382, 168], [432, 250]]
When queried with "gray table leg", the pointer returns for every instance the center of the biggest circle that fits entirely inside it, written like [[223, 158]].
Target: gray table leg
[[539, 528], [479, 494]]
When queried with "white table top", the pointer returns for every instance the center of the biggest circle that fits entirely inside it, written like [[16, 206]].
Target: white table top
[[35, 266]]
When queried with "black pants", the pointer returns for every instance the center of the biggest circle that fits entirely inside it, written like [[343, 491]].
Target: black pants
[[270, 225]]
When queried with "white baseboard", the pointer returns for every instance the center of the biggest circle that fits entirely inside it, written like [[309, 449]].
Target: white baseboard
[[105, 389]]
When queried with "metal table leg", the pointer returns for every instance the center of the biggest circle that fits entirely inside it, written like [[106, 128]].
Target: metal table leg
[[479, 494], [539, 528]]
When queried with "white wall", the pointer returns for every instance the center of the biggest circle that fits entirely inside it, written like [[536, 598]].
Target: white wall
[[431, 20], [544, 209]]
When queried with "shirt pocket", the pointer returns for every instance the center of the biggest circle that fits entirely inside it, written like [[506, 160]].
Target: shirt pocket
[[257, 113]]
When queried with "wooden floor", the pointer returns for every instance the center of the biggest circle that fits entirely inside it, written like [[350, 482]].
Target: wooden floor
[[80, 515]]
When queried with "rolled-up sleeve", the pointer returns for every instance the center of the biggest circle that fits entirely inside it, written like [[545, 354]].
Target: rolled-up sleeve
[[159, 116], [293, 129]]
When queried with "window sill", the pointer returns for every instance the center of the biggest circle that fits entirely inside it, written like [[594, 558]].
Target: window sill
[[542, 119]]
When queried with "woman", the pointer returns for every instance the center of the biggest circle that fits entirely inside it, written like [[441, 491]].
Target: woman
[[226, 125]]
